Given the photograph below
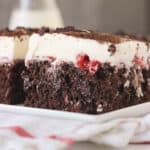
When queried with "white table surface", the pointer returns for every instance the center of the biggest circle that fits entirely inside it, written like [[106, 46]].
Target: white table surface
[[89, 146], [13, 110]]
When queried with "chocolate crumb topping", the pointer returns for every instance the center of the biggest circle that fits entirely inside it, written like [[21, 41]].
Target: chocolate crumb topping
[[70, 31], [112, 49], [100, 37], [43, 30], [67, 29], [19, 31]]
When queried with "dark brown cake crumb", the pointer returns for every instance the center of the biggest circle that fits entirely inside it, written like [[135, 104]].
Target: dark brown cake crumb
[[66, 87], [11, 87]]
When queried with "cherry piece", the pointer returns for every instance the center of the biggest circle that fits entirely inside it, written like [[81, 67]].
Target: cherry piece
[[93, 66], [52, 58], [139, 61], [83, 61]]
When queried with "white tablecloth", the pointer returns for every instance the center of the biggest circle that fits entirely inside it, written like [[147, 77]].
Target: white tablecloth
[[21, 132]]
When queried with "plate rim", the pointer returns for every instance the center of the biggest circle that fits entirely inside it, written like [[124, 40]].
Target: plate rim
[[130, 111]]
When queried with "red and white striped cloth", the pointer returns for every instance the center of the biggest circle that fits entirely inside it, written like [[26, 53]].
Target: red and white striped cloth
[[22, 132]]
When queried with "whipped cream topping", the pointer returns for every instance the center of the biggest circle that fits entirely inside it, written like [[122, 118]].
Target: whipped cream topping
[[66, 48], [13, 47]]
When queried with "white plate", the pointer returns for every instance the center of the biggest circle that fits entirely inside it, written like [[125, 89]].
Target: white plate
[[133, 111]]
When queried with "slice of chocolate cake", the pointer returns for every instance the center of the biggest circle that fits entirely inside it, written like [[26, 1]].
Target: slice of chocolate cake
[[13, 47], [84, 71]]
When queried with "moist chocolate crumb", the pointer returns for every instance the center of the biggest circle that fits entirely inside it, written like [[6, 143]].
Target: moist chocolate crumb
[[66, 87], [11, 87]]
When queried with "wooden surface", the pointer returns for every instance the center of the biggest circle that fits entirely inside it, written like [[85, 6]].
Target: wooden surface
[[104, 15]]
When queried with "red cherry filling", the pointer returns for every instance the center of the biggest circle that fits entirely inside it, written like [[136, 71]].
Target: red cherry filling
[[93, 66], [52, 58], [83, 61], [139, 61]]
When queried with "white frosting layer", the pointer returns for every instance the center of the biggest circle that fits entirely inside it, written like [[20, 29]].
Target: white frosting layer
[[13, 47], [66, 48], [126, 51]]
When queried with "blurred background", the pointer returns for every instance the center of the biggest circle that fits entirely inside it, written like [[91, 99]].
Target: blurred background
[[131, 16]]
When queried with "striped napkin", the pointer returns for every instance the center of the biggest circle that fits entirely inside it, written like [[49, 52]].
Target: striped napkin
[[22, 132]]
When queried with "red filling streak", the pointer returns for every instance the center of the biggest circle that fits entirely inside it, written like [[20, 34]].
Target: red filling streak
[[84, 62], [93, 67], [139, 61], [52, 58]]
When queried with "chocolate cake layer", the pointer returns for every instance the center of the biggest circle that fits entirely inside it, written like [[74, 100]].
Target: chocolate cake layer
[[13, 48], [66, 87], [11, 87]]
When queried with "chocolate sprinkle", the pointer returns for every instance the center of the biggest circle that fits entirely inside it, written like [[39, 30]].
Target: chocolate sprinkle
[[112, 49]]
